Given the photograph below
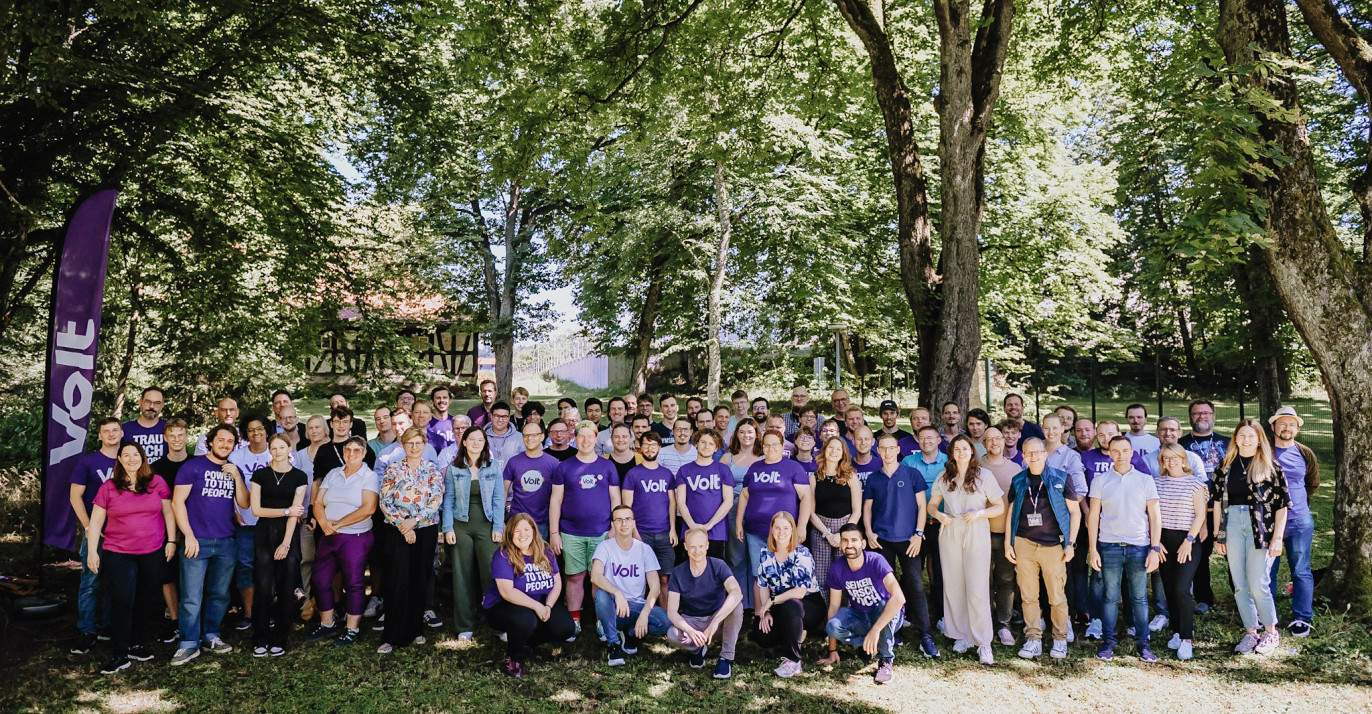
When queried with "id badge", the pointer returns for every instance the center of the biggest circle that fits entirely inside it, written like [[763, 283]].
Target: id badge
[[1035, 519]]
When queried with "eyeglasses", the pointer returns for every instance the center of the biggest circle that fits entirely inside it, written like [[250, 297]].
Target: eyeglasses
[[625, 519], [414, 442]]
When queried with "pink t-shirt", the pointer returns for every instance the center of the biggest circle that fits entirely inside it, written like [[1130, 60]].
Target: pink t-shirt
[[133, 521]]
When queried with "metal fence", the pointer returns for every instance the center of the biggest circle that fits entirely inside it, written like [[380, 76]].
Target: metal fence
[[1102, 390]]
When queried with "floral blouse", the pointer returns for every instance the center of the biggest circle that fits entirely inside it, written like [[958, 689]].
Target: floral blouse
[[412, 493], [797, 571]]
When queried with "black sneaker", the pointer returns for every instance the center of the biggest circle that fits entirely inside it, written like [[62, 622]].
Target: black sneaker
[[243, 625], [1299, 628], [322, 632], [115, 665], [630, 644], [348, 637], [616, 656], [140, 653], [172, 633], [84, 642], [698, 658]]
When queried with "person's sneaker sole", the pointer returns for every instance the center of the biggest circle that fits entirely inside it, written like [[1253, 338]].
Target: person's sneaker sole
[[123, 664]]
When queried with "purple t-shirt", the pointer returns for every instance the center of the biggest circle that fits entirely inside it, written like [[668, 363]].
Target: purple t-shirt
[[771, 489], [92, 471], [534, 581], [1096, 462], [652, 489], [586, 495], [530, 484], [440, 433], [151, 438], [865, 470], [866, 587], [209, 508], [704, 492]]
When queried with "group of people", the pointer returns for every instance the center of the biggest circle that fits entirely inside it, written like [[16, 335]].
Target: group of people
[[697, 528]]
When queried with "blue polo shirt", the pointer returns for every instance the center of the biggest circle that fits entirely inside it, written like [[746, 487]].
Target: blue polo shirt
[[895, 502], [929, 471]]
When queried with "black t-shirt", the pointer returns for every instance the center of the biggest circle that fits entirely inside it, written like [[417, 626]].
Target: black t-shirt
[[277, 489], [166, 468], [623, 468], [1237, 483], [330, 457], [663, 431], [561, 454], [1050, 533]]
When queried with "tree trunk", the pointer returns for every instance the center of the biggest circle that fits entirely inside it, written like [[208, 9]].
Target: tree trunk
[[647, 319], [723, 209], [1259, 299], [126, 365], [945, 307], [1317, 282], [914, 232]]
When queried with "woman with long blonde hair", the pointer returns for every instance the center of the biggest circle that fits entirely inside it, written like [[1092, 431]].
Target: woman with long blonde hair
[[1250, 496], [522, 600]]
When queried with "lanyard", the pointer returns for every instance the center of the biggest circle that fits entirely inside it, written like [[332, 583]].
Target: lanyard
[[1033, 497]]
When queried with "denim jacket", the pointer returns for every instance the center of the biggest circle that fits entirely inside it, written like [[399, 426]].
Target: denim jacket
[[457, 496], [1055, 481]]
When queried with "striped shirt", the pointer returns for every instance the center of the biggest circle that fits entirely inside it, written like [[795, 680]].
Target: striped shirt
[[1174, 500]]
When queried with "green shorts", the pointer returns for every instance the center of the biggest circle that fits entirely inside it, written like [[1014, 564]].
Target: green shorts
[[577, 552]]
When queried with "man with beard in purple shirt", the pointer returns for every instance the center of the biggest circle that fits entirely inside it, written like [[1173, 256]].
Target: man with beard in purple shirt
[[146, 430], [875, 602]]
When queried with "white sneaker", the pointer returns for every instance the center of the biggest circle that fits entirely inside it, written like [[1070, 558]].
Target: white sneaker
[[788, 668], [1094, 630], [1071, 633], [1247, 644], [1157, 623], [1006, 637], [1184, 650], [961, 646], [373, 605], [1129, 631], [1175, 642], [1031, 649], [984, 654], [1059, 650], [464, 636]]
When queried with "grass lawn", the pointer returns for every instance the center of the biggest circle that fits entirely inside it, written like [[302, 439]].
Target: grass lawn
[[1329, 671]]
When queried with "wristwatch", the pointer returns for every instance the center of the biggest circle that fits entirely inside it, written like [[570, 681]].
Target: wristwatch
[[1157, 549], [1068, 544], [1190, 538], [919, 533]]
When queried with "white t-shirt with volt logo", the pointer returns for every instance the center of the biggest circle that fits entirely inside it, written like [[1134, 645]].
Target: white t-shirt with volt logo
[[628, 569]]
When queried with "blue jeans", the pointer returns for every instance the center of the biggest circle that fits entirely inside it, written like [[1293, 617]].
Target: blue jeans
[[1249, 568], [1127, 566], [92, 603], [605, 613], [242, 572], [205, 579], [1299, 536], [852, 625]]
